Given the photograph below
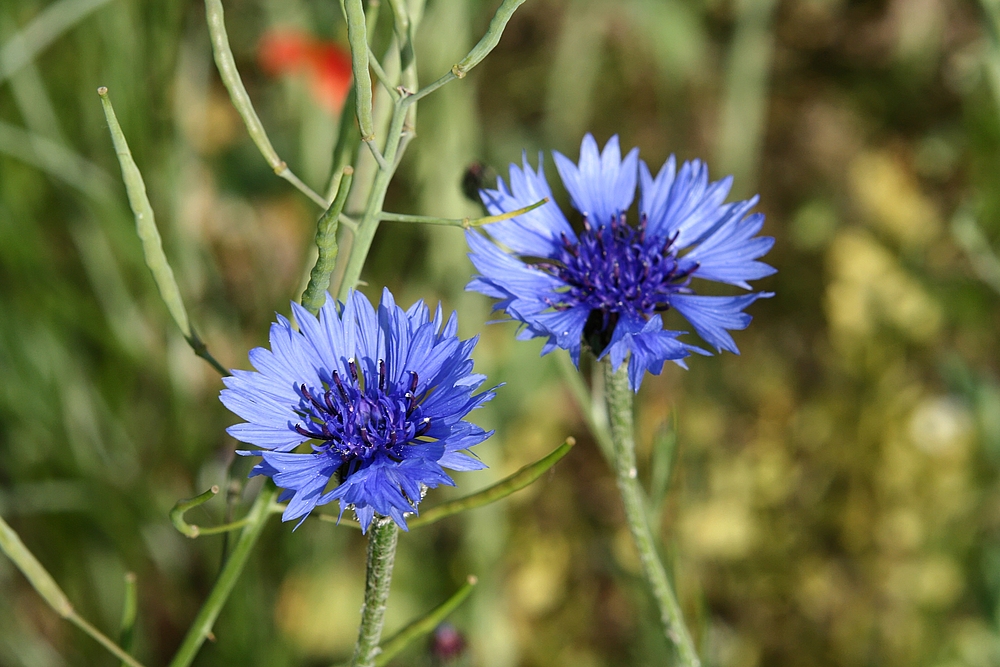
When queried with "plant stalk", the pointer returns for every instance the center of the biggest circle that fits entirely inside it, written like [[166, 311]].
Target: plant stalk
[[619, 399], [381, 556]]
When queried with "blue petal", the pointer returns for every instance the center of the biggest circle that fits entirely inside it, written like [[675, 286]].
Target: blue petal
[[714, 316], [685, 204], [729, 254], [603, 185], [533, 233]]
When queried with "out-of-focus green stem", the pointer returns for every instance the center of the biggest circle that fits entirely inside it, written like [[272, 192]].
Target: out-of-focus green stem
[[326, 243], [130, 610], [42, 581], [744, 106], [398, 642], [382, 537], [241, 100], [619, 399], [597, 425], [203, 622], [479, 51], [149, 235], [25, 45]]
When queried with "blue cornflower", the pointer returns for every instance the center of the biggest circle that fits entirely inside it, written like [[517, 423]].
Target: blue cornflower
[[607, 285], [380, 397]]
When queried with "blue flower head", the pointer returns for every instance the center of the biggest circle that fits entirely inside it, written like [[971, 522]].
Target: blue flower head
[[607, 285], [380, 397]]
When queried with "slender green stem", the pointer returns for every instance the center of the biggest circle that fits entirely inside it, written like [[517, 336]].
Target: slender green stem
[[619, 399], [42, 581], [241, 99], [381, 556], [382, 76], [596, 424], [368, 224], [203, 622], [326, 243], [130, 610]]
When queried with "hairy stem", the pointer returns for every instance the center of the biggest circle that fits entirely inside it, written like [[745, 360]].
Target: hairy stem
[[381, 555], [619, 401]]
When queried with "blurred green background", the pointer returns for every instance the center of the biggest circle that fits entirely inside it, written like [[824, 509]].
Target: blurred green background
[[836, 494]]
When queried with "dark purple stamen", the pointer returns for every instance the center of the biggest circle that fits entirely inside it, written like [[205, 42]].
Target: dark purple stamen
[[615, 270], [359, 418]]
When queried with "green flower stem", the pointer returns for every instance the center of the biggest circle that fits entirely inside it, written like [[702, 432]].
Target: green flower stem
[[241, 99], [326, 243], [149, 235], [203, 622], [130, 609], [381, 556], [368, 224], [619, 400], [42, 581], [596, 420]]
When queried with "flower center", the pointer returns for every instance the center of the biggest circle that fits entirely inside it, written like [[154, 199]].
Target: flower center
[[356, 420], [615, 270]]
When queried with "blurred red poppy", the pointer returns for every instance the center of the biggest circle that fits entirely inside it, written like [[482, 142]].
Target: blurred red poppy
[[327, 64]]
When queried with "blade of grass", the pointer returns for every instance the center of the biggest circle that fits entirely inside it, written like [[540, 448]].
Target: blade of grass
[[42, 31]]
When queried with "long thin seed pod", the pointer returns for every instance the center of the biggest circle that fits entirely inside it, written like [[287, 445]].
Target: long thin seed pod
[[357, 35], [422, 626], [149, 235], [461, 222], [619, 399], [521, 479], [381, 556], [42, 581], [482, 48], [241, 100], [326, 243]]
